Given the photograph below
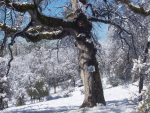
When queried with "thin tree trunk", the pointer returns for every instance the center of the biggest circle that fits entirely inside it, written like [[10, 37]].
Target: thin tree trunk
[[140, 86], [141, 73], [1, 53], [1, 84], [54, 84], [1, 100], [74, 82], [3, 45]]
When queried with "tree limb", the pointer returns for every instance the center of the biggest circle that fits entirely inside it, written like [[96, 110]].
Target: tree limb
[[137, 10], [12, 42], [36, 34], [37, 17], [9, 31], [48, 36]]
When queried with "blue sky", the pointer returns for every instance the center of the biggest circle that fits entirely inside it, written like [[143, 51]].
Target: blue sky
[[56, 12]]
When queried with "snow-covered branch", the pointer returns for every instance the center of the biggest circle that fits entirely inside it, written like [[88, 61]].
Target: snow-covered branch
[[36, 16], [45, 35], [138, 10]]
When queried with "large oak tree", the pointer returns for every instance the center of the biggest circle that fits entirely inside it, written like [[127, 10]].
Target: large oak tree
[[78, 24]]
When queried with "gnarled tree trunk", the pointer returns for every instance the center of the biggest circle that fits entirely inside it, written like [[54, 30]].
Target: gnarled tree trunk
[[93, 90]]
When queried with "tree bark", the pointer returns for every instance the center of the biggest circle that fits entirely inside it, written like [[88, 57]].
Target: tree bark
[[1, 84], [3, 45], [54, 85], [140, 86], [1, 53], [141, 73], [93, 90], [1, 99]]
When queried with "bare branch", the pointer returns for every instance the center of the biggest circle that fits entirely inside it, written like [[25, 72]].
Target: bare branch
[[121, 30], [37, 2], [90, 5], [5, 38], [12, 42], [11, 58]]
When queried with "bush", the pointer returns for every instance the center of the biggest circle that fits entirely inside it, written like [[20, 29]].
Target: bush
[[20, 101], [67, 94], [114, 81], [144, 105], [33, 93], [20, 104], [40, 89], [82, 91], [20, 96], [49, 98]]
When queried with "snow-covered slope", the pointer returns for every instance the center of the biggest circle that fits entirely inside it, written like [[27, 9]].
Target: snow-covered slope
[[118, 101]]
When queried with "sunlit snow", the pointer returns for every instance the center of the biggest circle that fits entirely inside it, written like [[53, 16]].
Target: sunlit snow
[[119, 100]]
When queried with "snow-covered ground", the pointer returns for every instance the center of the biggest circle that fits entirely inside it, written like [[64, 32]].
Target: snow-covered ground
[[118, 100]]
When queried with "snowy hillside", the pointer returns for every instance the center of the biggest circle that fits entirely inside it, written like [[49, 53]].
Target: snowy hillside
[[119, 100]]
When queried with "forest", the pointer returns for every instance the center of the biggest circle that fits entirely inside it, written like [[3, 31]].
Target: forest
[[53, 52]]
